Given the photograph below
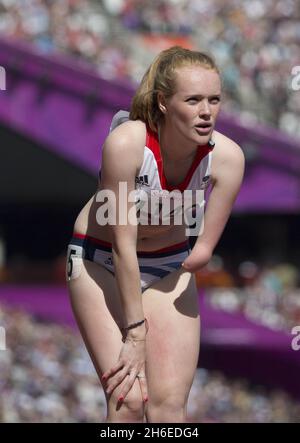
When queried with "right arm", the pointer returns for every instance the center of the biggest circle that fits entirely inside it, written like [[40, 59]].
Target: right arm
[[122, 157]]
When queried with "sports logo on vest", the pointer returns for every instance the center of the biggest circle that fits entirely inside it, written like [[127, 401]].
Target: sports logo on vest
[[205, 182], [142, 180]]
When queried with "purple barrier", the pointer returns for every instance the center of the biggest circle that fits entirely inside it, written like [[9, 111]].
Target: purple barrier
[[50, 303], [66, 107], [229, 342], [242, 348]]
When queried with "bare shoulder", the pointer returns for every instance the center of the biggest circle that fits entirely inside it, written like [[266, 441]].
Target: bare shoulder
[[128, 135], [225, 148], [126, 144], [123, 152], [226, 153]]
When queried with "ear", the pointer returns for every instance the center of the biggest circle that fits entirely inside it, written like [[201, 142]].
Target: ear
[[161, 101]]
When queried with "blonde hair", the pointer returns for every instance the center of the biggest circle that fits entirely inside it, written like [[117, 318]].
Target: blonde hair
[[160, 77]]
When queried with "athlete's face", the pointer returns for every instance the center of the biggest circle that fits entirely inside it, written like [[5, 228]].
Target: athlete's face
[[192, 111]]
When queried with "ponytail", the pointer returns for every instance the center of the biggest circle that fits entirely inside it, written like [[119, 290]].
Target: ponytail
[[160, 77]]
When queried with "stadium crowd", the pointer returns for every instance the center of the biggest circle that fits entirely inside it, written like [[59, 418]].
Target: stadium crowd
[[46, 377], [255, 43], [268, 295]]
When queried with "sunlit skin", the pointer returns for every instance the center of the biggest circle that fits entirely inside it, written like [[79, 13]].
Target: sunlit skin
[[196, 101], [102, 302]]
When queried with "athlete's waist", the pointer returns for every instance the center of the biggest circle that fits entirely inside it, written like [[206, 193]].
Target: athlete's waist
[[174, 248]]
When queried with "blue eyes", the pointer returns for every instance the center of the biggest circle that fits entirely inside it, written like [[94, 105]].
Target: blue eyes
[[193, 100]]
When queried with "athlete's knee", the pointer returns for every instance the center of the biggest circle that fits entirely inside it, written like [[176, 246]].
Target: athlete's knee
[[131, 409], [171, 408]]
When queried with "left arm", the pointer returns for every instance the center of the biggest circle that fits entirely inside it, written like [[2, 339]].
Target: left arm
[[227, 176]]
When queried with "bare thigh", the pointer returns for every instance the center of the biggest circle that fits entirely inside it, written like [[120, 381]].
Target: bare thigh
[[96, 305], [173, 340], [171, 307]]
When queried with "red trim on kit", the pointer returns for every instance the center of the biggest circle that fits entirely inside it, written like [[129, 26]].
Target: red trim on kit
[[153, 144], [107, 244], [167, 248]]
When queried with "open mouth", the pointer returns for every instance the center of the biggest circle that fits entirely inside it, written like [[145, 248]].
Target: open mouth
[[204, 126]]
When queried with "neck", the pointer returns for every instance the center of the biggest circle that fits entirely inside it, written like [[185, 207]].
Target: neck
[[173, 148]]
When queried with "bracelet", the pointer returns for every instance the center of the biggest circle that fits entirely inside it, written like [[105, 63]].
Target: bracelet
[[132, 326], [135, 325]]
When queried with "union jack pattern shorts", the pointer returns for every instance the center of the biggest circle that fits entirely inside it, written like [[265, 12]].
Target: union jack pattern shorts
[[153, 265]]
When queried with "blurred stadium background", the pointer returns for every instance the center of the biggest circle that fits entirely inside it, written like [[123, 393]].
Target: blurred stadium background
[[69, 66]]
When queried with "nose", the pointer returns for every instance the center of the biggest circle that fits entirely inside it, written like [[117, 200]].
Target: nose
[[204, 109]]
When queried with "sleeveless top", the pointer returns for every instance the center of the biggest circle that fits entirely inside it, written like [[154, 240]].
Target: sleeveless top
[[158, 202]]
